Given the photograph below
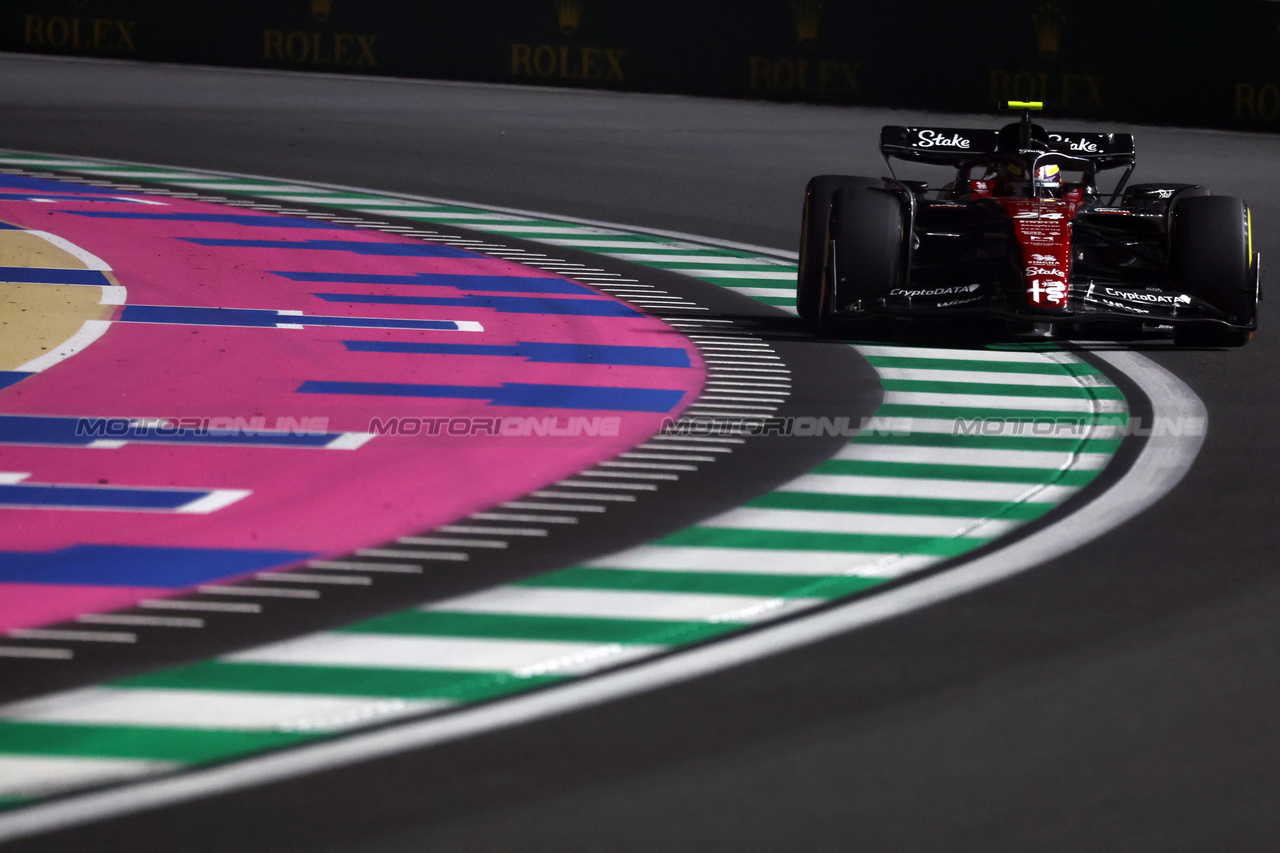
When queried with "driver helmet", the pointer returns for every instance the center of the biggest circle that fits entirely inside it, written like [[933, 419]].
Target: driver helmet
[[1049, 176]]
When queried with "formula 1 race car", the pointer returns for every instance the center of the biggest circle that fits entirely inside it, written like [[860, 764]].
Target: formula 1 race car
[[1023, 237]]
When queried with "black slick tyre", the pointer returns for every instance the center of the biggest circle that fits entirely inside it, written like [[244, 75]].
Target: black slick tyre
[[1211, 258], [865, 250], [813, 238]]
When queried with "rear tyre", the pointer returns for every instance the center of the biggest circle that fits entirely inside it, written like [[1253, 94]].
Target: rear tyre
[[1211, 258], [813, 238], [864, 252]]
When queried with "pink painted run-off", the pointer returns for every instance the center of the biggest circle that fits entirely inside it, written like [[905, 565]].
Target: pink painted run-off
[[30, 604], [326, 502]]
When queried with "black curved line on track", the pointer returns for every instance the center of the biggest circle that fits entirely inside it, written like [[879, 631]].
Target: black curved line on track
[[752, 469]]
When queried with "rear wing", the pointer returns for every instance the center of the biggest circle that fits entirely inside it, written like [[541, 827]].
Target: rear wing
[[1105, 150], [950, 146]]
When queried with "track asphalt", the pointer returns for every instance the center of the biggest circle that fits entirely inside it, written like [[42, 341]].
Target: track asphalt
[[1121, 696]]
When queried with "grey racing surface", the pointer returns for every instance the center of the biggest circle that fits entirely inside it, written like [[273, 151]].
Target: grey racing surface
[[1122, 696]]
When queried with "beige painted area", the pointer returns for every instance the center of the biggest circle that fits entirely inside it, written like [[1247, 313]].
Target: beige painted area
[[36, 318], [23, 249]]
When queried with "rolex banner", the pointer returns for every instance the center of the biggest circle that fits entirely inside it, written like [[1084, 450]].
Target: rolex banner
[[1142, 60]]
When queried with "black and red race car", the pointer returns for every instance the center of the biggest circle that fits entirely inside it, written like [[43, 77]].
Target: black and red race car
[[1023, 236]]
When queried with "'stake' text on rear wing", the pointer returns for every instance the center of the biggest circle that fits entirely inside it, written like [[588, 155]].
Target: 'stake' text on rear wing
[[950, 146]]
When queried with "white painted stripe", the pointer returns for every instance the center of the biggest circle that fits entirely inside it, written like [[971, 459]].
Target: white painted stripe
[[706, 258], [941, 352], [538, 229], [13, 478], [999, 401], [209, 183], [35, 653], [214, 501], [200, 606], [910, 487], [742, 274], [461, 654], [492, 531], [73, 636], [772, 292], [926, 455], [209, 709], [90, 260], [113, 294], [626, 243], [919, 375], [309, 577], [610, 604], [819, 521], [144, 621], [134, 200], [350, 441], [688, 558], [31, 775], [458, 542], [373, 201], [138, 174], [393, 553], [293, 195], [61, 162], [257, 591], [432, 215], [88, 333]]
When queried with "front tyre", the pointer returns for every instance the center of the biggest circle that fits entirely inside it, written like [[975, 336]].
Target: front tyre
[[813, 238], [864, 253], [1211, 257]]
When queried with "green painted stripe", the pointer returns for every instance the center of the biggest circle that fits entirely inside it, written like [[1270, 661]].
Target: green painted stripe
[[146, 742], [934, 471], [969, 413], [8, 801], [335, 681], [522, 627], [900, 506], [712, 583], [1104, 392], [1047, 368], [783, 301], [991, 442], [732, 537]]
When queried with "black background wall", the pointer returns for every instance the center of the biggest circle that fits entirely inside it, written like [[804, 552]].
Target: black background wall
[[1209, 64]]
